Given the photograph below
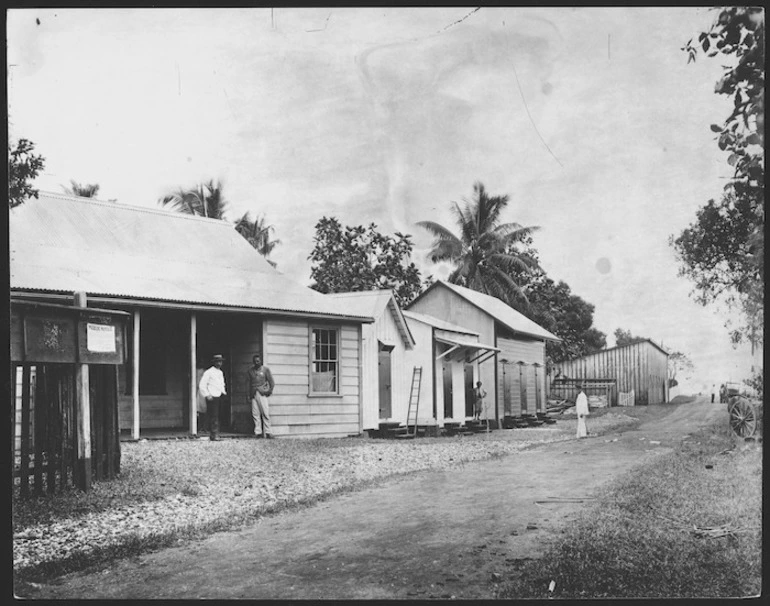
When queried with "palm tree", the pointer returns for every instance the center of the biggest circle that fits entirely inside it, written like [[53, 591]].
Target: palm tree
[[257, 233], [204, 200], [486, 255], [88, 190]]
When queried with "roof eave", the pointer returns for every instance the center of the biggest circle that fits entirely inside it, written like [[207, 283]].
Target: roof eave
[[189, 305]]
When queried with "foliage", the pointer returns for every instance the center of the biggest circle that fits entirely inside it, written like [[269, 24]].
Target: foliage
[[487, 254], [356, 258], [723, 251], [553, 306], [204, 200], [88, 190], [757, 382], [257, 233], [722, 254], [738, 34], [208, 200], [679, 364], [624, 337], [23, 167]]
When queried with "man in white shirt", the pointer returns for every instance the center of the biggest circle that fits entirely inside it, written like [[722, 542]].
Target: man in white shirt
[[581, 408], [212, 387]]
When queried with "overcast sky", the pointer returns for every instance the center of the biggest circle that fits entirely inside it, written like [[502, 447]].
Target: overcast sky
[[589, 118]]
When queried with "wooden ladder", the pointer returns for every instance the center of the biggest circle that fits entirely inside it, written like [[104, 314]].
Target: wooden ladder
[[414, 404]]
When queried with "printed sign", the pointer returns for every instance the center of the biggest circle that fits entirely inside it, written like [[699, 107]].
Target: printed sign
[[100, 337]]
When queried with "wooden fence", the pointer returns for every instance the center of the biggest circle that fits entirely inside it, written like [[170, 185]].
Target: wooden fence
[[626, 398], [43, 417]]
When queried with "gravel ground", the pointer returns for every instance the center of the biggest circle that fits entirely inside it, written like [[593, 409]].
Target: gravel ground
[[173, 487]]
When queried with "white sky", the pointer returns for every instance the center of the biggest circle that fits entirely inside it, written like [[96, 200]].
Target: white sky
[[589, 118]]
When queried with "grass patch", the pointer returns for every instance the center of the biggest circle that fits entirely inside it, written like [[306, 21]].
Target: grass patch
[[638, 541]]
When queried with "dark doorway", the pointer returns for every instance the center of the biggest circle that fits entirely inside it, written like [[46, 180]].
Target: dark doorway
[[523, 388], [384, 380], [214, 338], [469, 396], [507, 380], [446, 372]]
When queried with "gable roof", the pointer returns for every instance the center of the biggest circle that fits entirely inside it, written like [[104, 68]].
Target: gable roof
[[502, 313], [373, 303], [436, 323], [65, 244]]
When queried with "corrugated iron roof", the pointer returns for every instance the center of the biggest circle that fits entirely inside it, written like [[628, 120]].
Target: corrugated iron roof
[[505, 314], [65, 244], [373, 303]]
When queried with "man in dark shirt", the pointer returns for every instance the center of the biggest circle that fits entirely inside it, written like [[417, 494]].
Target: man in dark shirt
[[260, 387]]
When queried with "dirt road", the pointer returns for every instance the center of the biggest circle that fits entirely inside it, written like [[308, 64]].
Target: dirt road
[[429, 535]]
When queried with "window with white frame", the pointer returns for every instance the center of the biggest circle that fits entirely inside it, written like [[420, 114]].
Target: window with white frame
[[324, 360]]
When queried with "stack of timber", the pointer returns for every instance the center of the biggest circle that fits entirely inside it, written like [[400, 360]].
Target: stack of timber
[[558, 406], [532, 420], [543, 416], [511, 422]]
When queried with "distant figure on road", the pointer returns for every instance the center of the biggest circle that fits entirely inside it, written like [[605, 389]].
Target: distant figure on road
[[722, 393], [581, 408], [261, 385], [212, 387], [712, 393], [478, 405]]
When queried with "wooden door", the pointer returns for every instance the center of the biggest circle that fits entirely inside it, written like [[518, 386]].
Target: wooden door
[[469, 396], [507, 397], [523, 387], [385, 382], [446, 373]]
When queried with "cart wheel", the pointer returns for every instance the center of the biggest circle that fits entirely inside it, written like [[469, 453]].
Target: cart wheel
[[743, 418]]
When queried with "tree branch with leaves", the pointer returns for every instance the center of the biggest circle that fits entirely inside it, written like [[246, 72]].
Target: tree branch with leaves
[[23, 167], [355, 258]]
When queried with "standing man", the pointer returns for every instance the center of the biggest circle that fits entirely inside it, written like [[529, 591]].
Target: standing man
[[212, 387], [261, 386], [581, 408], [478, 406]]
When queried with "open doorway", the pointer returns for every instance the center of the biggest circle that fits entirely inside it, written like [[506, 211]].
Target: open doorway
[[214, 338], [385, 380], [469, 397]]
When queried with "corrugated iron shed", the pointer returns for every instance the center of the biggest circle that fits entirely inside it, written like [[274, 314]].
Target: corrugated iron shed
[[64, 244]]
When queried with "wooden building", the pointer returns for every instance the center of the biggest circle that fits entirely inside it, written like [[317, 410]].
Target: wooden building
[[641, 368], [451, 357], [193, 287], [514, 377], [385, 374]]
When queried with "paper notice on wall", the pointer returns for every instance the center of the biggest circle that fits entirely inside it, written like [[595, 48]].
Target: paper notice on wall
[[100, 338]]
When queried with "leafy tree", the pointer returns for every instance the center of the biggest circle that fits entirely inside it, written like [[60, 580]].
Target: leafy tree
[[487, 254], [624, 337], [82, 190], [757, 383], [356, 258], [208, 200], [257, 233], [723, 250], [679, 364], [738, 34], [23, 167], [554, 307], [203, 200]]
